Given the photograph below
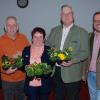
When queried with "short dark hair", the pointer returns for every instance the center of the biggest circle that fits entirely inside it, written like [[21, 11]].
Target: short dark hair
[[96, 13], [38, 29]]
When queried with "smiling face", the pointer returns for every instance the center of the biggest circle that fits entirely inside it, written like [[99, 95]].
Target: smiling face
[[96, 23], [11, 27], [38, 39], [67, 16]]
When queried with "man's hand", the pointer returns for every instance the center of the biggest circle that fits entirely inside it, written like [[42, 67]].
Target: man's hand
[[18, 53], [84, 78], [66, 64], [10, 70], [98, 60]]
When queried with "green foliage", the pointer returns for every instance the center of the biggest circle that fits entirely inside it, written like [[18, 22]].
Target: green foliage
[[11, 62], [60, 55], [38, 69]]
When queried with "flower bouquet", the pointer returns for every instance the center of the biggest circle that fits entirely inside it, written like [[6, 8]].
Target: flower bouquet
[[11, 62], [59, 56], [38, 69]]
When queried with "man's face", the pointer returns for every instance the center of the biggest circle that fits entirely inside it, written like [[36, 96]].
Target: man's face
[[67, 16], [11, 27], [96, 23]]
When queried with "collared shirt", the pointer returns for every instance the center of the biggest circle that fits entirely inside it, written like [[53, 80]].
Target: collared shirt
[[64, 35], [96, 47], [10, 47]]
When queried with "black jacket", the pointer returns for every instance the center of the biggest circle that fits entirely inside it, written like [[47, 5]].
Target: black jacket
[[46, 79]]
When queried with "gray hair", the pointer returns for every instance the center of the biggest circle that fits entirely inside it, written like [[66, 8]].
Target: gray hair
[[11, 17], [68, 6]]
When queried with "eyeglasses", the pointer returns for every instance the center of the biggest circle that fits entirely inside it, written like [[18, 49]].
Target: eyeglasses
[[67, 14], [97, 21]]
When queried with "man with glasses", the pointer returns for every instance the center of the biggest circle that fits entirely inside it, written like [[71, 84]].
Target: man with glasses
[[94, 66], [67, 75]]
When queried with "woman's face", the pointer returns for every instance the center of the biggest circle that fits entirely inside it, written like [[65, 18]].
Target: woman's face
[[38, 39]]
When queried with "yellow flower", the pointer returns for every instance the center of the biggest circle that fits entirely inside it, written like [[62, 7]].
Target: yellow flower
[[61, 56]]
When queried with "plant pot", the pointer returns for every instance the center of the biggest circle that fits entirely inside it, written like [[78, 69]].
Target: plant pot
[[5, 68], [13, 67]]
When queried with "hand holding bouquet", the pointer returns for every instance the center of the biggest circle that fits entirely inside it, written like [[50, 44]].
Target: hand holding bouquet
[[11, 62], [38, 69], [59, 56]]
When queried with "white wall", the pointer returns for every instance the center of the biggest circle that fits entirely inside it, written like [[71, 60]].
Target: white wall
[[45, 13]]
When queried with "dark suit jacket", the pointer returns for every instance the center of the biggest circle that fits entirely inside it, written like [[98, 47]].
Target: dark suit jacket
[[46, 79]]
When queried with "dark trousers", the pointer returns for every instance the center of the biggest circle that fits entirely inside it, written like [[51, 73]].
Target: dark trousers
[[42, 92], [13, 89], [37, 92], [70, 91]]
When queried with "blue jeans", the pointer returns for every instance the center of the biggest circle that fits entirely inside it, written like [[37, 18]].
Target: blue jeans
[[93, 91]]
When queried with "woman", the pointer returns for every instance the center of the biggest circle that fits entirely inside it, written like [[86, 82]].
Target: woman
[[37, 53]]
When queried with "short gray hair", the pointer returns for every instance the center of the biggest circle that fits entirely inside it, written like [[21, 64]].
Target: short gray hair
[[11, 17], [66, 5]]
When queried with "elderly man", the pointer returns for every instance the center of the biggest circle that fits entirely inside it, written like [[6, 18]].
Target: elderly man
[[12, 44], [67, 75]]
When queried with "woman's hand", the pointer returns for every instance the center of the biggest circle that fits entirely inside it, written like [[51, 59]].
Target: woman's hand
[[36, 82]]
